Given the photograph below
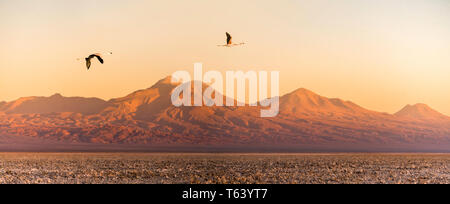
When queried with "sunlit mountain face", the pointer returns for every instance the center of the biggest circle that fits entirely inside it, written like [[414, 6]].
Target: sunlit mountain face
[[306, 121]]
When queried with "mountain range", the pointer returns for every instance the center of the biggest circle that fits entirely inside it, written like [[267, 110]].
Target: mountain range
[[145, 120]]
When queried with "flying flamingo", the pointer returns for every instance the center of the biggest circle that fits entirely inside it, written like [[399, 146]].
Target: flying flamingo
[[229, 42], [96, 55]]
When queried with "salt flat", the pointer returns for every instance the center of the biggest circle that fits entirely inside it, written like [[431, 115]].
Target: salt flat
[[223, 168]]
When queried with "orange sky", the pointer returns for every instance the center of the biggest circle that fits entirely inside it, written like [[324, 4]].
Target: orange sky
[[381, 54]]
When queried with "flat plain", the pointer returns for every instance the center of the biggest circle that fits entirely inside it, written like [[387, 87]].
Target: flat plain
[[169, 168]]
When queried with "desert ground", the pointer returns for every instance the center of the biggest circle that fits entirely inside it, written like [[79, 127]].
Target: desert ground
[[168, 168]]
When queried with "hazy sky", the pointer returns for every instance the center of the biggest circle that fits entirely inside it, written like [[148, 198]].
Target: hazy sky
[[381, 54]]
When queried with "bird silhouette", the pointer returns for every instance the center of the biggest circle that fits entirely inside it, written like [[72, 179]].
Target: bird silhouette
[[96, 55], [230, 42], [229, 38]]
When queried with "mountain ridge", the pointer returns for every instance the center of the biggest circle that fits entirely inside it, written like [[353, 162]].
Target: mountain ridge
[[147, 117], [167, 85], [421, 111]]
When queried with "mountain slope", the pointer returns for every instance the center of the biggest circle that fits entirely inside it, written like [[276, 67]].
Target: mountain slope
[[54, 103], [147, 117], [146, 101], [305, 102], [421, 112]]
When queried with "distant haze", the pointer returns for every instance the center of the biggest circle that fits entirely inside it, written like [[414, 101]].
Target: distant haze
[[380, 54]]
